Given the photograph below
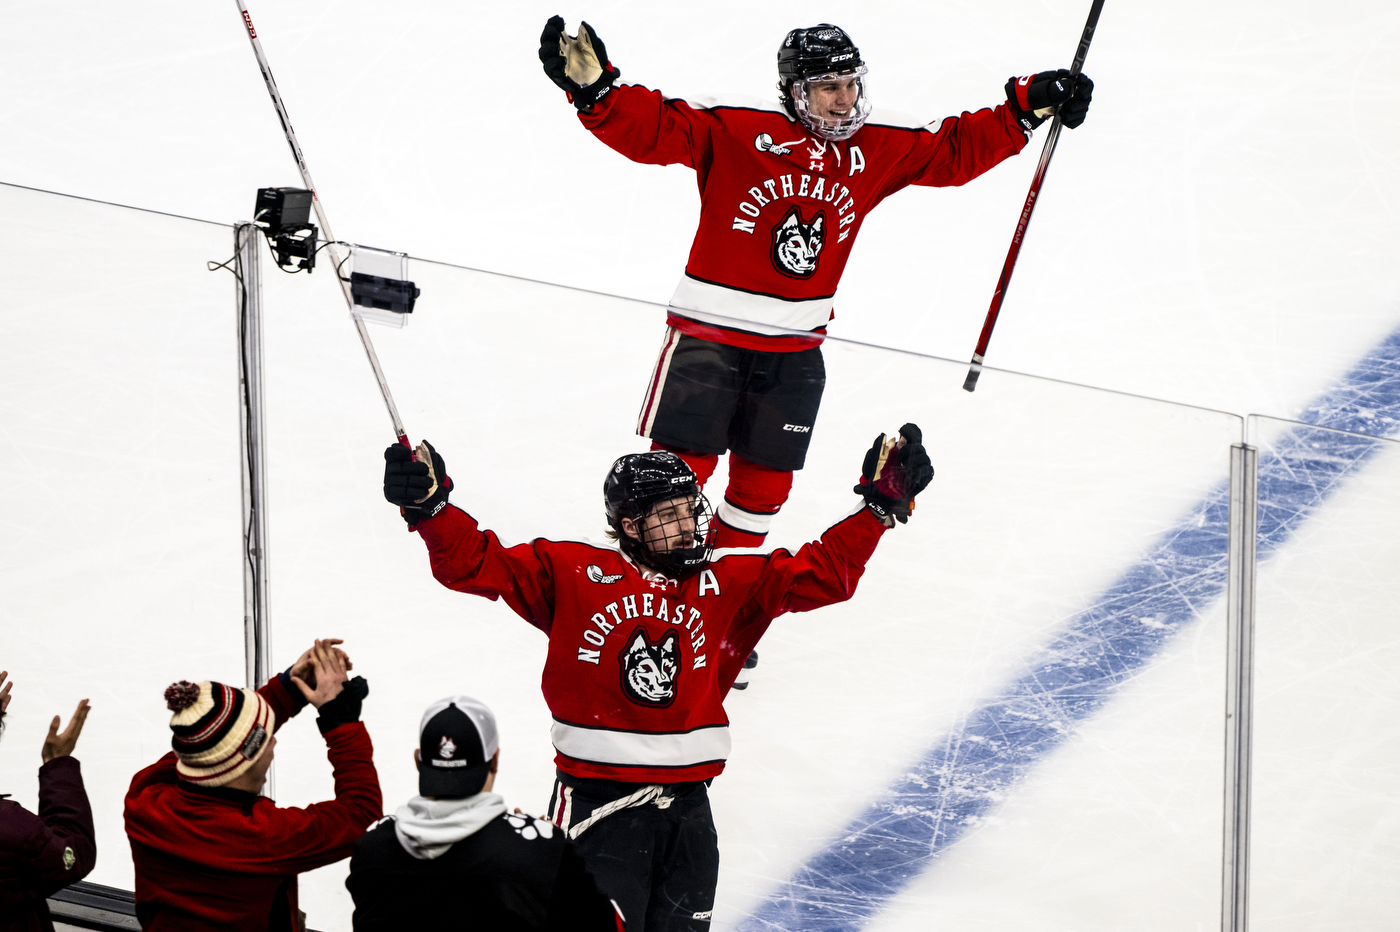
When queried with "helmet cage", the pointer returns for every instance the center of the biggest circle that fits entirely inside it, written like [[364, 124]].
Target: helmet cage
[[658, 493], [676, 533], [831, 128]]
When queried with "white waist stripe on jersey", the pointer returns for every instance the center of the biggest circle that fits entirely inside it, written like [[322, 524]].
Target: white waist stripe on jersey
[[729, 307], [636, 749]]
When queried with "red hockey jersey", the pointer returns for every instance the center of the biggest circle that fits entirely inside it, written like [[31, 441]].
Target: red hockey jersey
[[639, 664], [780, 207]]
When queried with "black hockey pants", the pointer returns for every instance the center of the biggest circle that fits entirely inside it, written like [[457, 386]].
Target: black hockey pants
[[651, 847]]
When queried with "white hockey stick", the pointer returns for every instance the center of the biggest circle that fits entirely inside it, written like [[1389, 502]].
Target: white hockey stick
[[325, 224]]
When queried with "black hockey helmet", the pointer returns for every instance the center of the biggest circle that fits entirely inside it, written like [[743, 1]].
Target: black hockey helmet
[[681, 542], [821, 52]]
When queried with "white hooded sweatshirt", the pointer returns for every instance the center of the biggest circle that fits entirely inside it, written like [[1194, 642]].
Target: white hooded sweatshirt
[[428, 827]]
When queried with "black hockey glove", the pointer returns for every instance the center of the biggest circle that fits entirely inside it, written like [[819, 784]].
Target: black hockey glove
[[895, 471], [416, 481], [344, 708], [1034, 98], [579, 64]]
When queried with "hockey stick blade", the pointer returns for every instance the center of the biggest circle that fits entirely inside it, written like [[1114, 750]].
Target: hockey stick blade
[[975, 370], [1027, 209]]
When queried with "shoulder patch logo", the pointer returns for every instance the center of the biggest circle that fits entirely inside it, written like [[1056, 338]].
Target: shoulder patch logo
[[595, 573], [764, 143], [796, 245], [649, 669], [529, 827]]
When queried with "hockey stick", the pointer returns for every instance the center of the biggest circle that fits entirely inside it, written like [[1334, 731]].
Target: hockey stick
[[325, 224], [970, 383]]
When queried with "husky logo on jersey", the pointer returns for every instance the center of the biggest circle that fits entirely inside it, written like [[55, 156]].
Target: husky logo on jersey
[[796, 245], [649, 670], [595, 573], [764, 143]]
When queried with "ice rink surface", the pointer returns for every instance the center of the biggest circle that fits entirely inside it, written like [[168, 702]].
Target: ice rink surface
[[1018, 721]]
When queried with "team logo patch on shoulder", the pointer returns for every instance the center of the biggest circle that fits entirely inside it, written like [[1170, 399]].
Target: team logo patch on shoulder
[[764, 143], [649, 669], [796, 245], [595, 573]]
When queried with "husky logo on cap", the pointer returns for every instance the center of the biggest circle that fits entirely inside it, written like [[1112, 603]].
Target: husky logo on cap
[[447, 748]]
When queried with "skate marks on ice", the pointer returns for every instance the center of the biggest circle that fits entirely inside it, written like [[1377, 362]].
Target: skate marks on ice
[[969, 771]]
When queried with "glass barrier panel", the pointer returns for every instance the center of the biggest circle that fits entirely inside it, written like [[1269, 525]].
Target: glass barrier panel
[[1325, 844], [1016, 720], [120, 561]]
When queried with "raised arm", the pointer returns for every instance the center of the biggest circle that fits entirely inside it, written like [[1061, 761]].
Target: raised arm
[[465, 557], [960, 148], [639, 123], [826, 571]]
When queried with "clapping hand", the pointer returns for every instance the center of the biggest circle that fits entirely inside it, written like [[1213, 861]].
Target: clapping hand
[[329, 667], [306, 669]]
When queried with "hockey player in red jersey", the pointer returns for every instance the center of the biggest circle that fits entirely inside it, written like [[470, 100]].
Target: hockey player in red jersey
[[784, 189], [645, 639]]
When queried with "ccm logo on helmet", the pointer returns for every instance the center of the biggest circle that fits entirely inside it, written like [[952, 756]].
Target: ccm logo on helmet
[[798, 428], [843, 56]]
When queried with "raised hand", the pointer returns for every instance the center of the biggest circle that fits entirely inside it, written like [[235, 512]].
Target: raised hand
[[61, 745], [306, 669], [1035, 97], [578, 64], [329, 672], [894, 471], [416, 481]]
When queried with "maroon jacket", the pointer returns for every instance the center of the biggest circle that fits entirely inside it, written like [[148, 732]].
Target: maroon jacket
[[215, 858], [41, 854]]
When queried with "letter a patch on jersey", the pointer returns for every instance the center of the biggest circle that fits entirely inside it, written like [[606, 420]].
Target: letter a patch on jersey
[[796, 245]]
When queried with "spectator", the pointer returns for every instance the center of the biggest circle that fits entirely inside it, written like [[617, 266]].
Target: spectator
[[453, 858], [41, 854], [210, 853]]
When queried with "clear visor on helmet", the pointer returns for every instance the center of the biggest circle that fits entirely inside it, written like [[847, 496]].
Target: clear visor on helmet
[[833, 105]]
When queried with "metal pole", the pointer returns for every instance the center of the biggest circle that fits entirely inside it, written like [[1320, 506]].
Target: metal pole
[[1239, 685], [251, 447]]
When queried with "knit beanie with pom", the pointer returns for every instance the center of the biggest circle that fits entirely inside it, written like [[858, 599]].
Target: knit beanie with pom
[[220, 731]]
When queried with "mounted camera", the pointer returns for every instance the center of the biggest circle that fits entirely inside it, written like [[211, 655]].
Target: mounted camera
[[284, 216]]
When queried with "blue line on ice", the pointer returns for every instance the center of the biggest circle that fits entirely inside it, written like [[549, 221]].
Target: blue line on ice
[[965, 773]]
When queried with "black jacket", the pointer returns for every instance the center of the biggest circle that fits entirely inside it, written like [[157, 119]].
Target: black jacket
[[508, 876]]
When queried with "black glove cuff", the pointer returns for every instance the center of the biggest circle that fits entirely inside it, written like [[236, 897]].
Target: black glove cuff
[[883, 507], [344, 708], [585, 98], [1027, 119]]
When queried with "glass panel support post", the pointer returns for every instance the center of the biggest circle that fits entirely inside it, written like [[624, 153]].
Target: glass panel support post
[[252, 460], [1239, 684]]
